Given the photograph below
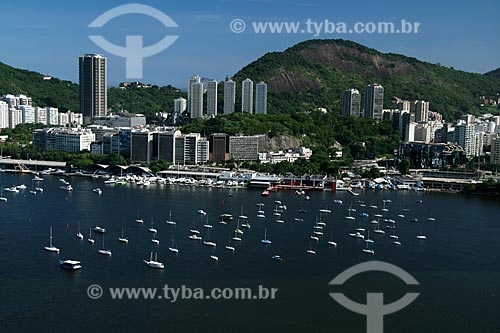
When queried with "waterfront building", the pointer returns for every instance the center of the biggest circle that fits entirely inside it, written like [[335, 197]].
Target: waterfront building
[[63, 139], [247, 96], [93, 86], [219, 147], [229, 96], [142, 146], [495, 151], [374, 101], [261, 98], [244, 148], [111, 143], [211, 98], [166, 145], [351, 103]]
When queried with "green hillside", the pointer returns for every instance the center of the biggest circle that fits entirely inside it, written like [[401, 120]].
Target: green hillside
[[315, 73], [65, 94]]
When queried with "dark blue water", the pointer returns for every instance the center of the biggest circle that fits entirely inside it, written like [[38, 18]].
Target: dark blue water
[[457, 266]]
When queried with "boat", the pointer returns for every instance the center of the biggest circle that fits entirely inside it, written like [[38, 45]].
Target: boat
[[21, 187], [79, 234], [246, 225], [242, 216], [39, 189], [71, 265], [90, 239], [38, 179], [265, 193], [97, 190], [325, 210], [153, 230], [298, 219], [368, 240], [170, 221], [230, 248], [308, 198], [68, 188], [349, 217], [102, 250], [139, 220], [173, 248], [338, 201], [51, 247], [398, 243], [431, 219], [236, 236], [208, 242], [11, 189], [331, 242], [122, 238], [195, 237], [154, 263], [154, 240], [202, 212], [357, 234], [368, 250], [277, 258], [99, 230], [261, 216], [378, 230], [310, 250], [280, 221], [265, 240], [2, 198], [423, 237]]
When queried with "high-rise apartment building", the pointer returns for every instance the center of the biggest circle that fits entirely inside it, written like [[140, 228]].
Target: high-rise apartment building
[[351, 103], [247, 96], [229, 96], [374, 101], [261, 98], [212, 98], [93, 86]]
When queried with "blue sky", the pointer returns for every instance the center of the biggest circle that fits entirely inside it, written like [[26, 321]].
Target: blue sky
[[48, 36]]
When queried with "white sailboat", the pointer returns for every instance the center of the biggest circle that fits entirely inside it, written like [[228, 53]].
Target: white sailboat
[[208, 242], [153, 230], [173, 248], [368, 250], [242, 216], [90, 239], [2, 198], [154, 240], [331, 242], [79, 234], [103, 250], [349, 217], [170, 221], [138, 219], [310, 249], [154, 263], [123, 239], [421, 235], [51, 247]]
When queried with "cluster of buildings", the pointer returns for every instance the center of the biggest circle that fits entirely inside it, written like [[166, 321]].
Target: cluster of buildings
[[201, 92], [144, 145], [373, 104], [18, 109]]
